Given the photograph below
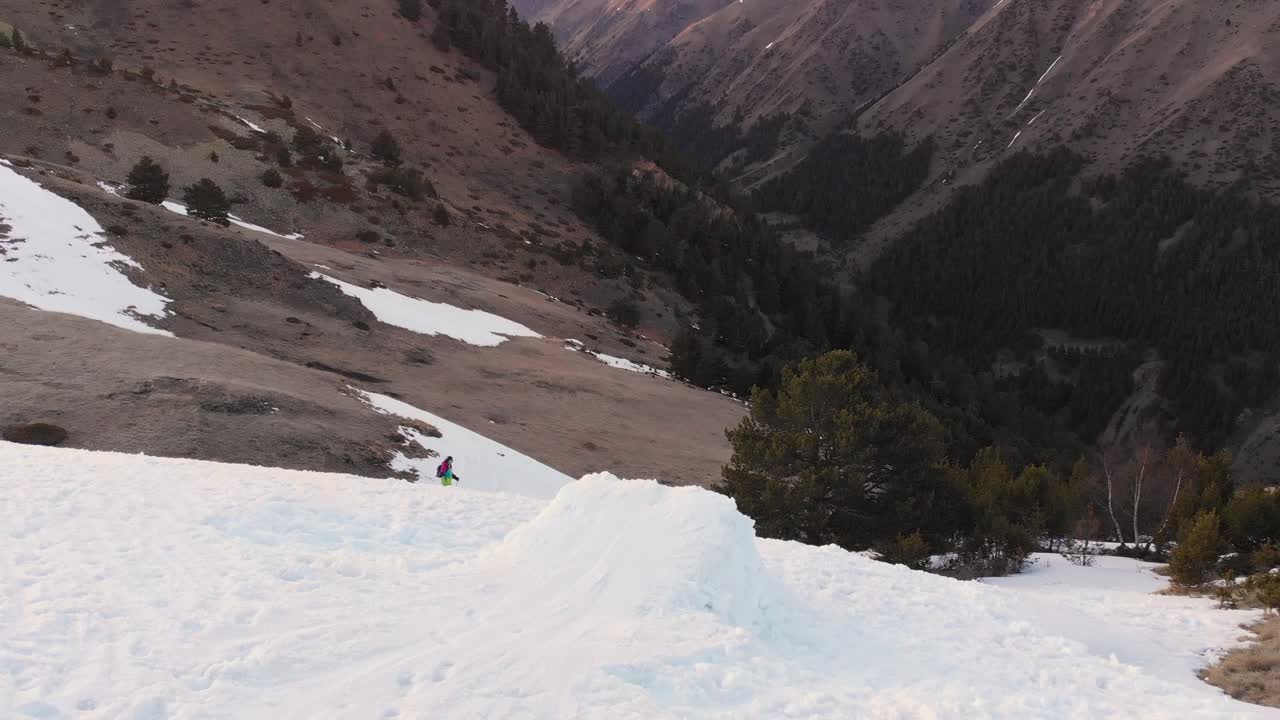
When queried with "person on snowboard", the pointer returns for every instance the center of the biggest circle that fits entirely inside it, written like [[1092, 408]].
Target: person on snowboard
[[445, 472]]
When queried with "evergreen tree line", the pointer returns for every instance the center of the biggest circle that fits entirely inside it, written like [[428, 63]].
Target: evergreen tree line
[[1081, 386], [544, 92], [847, 182], [1142, 256], [834, 456], [763, 304]]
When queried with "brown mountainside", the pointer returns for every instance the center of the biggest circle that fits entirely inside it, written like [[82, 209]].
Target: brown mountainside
[[1113, 79]]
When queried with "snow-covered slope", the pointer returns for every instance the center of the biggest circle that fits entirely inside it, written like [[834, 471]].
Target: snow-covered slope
[[55, 256], [481, 463], [475, 327], [134, 587]]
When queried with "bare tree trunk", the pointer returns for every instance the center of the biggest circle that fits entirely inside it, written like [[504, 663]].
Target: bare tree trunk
[[1137, 490], [1111, 510], [1177, 488]]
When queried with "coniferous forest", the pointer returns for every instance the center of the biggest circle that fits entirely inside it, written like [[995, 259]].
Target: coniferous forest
[[543, 91], [1141, 257], [847, 182]]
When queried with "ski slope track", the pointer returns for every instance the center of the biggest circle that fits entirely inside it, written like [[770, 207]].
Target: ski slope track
[[139, 588]]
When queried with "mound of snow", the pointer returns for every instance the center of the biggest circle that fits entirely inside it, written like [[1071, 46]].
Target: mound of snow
[[54, 256], [481, 463], [474, 327], [135, 587], [651, 550]]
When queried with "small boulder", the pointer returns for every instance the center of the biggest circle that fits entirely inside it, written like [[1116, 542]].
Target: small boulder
[[35, 434]]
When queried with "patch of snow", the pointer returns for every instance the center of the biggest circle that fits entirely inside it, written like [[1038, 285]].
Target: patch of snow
[[1033, 87], [1112, 609], [1037, 117], [251, 126], [179, 208], [332, 137], [617, 362], [110, 189], [769, 46], [54, 257], [475, 327], [1014, 140], [481, 463], [140, 587]]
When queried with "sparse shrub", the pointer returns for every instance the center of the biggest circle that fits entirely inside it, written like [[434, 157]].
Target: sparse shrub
[[19, 41], [118, 230], [103, 66], [315, 151], [272, 178], [1266, 558], [386, 148], [440, 36], [407, 182], [207, 201], [148, 182], [441, 216], [64, 58], [5, 42], [367, 236], [910, 550], [411, 10], [213, 156], [111, 112], [283, 157], [624, 312], [35, 434], [1265, 589], [1197, 552]]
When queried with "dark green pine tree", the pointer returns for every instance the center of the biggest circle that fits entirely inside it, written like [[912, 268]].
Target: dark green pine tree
[[386, 148], [148, 182], [411, 10], [829, 458], [205, 200]]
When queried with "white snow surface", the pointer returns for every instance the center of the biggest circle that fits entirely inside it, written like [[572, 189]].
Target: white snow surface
[[474, 327], [1033, 87], [139, 588], [251, 126], [54, 256], [617, 362], [480, 463], [179, 208]]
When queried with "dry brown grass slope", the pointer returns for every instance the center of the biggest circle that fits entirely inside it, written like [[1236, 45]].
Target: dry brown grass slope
[[1252, 673], [507, 197]]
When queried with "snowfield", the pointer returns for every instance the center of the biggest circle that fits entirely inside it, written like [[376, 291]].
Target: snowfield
[[481, 463], [55, 256], [616, 362], [474, 327], [139, 588]]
